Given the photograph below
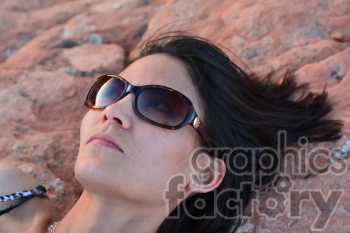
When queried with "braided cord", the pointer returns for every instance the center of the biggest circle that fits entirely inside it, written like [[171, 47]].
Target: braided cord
[[24, 196]]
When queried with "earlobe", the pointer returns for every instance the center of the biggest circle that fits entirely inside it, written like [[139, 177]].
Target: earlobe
[[208, 178]]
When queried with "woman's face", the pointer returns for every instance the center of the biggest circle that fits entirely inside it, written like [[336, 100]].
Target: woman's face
[[148, 155]]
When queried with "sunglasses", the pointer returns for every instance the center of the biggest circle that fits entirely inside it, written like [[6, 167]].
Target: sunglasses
[[158, 105]]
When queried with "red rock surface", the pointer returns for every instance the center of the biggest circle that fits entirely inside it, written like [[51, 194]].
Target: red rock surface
[[51, 51]]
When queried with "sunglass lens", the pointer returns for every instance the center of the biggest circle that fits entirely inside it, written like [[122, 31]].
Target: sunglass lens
[[162, 106], [106, 91]]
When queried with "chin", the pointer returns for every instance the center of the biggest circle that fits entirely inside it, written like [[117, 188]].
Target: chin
[[88, 167]]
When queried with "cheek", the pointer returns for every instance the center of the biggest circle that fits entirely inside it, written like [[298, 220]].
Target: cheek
[[90, 119], [172, 149]]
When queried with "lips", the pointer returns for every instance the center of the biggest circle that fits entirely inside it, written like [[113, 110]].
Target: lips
[[104, 140]]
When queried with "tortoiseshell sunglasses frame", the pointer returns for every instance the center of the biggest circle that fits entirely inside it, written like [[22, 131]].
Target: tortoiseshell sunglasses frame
[[191, 116]]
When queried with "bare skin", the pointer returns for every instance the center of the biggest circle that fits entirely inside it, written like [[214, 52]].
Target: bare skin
[[33, 216], [124, 188]]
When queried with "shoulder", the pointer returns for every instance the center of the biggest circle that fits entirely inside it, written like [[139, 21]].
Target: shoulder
[[13, 179], [32, 216]]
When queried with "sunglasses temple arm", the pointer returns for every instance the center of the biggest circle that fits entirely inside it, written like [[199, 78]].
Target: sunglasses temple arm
[[199, 127]]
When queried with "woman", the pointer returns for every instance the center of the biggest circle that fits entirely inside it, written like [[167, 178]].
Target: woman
[[139, 161]]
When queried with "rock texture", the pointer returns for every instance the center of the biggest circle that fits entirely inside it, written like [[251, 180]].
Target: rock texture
[[51, 51]]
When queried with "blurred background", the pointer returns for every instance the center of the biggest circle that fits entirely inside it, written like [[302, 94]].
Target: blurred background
[[51, 52]]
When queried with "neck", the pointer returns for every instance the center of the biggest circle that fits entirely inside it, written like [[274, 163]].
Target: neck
[[93, 213]]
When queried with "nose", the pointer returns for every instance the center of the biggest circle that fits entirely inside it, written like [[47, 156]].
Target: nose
[[120, 112]]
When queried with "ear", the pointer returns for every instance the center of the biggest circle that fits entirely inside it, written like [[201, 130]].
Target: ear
[[209, 177]]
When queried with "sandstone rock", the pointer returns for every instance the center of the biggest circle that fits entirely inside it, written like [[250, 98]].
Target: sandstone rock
[[122, 23], [91, 59], [328, 72], [23, 22]]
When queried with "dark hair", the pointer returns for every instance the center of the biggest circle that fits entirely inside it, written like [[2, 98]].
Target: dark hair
[[240, 110]]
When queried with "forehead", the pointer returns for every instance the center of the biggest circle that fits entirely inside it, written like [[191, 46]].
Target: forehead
[[162, 69]]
